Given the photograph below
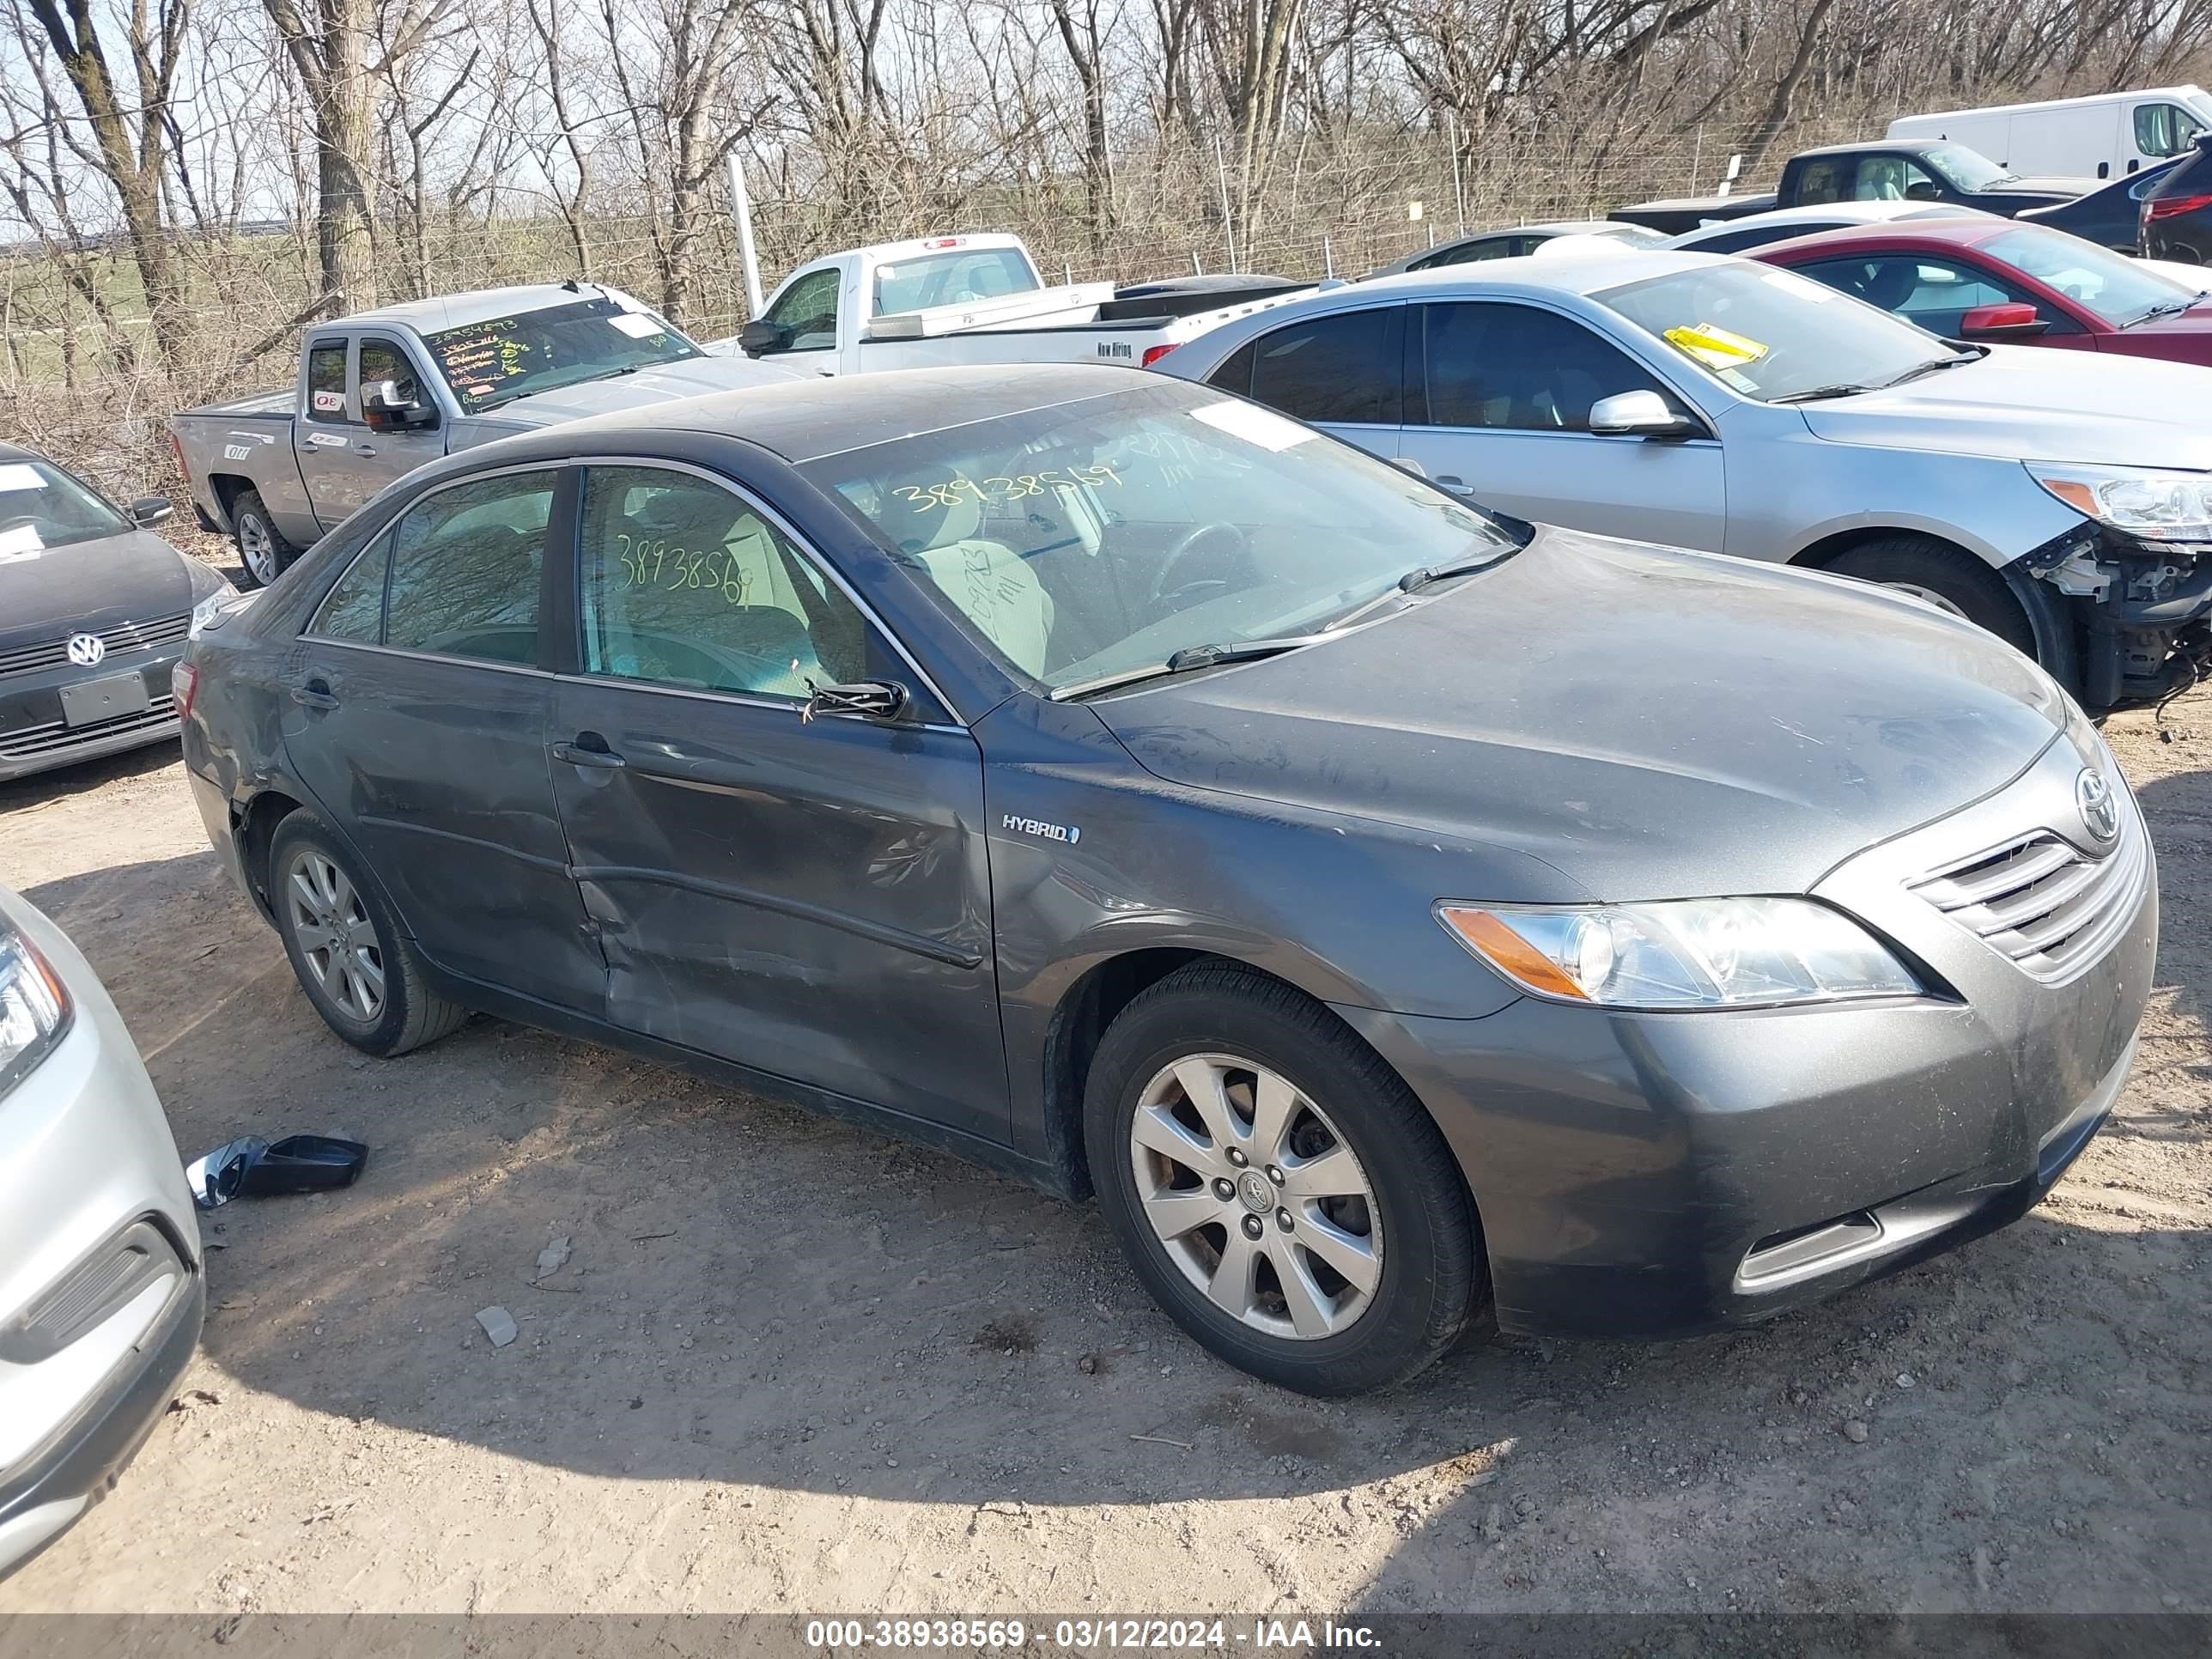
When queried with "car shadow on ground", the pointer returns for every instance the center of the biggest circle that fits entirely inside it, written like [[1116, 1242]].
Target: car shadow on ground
[[85, 778]]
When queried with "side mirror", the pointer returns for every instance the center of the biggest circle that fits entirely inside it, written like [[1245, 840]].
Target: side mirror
[[872, 699], [386, 409], [149, 510], [1638, 415], [2014, 320], [758, 339]]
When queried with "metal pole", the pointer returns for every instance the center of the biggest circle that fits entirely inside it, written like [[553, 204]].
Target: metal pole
[[1459, 196], [741, 208], [1328, 259], [1228, 224]]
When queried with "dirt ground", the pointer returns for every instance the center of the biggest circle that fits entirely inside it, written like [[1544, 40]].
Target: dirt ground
[[788, 1366]]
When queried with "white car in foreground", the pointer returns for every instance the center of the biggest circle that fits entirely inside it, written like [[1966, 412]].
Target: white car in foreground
[[102, 1291]]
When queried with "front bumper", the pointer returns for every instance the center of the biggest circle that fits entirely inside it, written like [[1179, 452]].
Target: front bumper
[[1659, 1174], [101, 1290], [36, 734]]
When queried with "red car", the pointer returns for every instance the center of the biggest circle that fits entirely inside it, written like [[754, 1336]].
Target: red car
[[2000, 280]]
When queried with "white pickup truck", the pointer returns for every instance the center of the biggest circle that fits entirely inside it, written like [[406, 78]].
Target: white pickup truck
[[946, 300]]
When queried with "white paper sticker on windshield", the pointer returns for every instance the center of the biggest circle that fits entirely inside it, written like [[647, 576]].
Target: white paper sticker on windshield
[[22, 541], [19, 477], [1262, 427], [637, 326]]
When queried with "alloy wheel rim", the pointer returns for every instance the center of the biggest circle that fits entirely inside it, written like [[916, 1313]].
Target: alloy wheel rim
[[1257, 1197], [1929, 595], [337, 940], [255, 548]]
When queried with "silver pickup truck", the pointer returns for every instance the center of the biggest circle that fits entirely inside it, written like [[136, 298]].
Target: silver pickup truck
[[381, 393]]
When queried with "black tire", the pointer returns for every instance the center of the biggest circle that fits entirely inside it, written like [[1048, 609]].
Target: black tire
[[1951, 573], [407, 1014], [1431, 1274], [251, 528]]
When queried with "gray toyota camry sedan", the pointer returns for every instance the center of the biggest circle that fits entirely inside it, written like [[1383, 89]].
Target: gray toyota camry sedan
[[1388, 912]]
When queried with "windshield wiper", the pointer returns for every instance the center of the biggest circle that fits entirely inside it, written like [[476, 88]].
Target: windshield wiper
[[2163, 308], [1426, 573], [1187, 660], [1933, 364], [1815, 394]]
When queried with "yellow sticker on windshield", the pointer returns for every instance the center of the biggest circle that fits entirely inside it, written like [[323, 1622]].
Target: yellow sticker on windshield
[[1715, 347]]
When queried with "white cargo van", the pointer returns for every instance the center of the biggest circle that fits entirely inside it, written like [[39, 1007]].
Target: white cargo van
[[2104, 136]]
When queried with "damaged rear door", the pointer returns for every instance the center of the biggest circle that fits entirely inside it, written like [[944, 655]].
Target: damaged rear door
[[807, 897]]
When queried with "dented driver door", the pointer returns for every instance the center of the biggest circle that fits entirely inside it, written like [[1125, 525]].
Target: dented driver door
[[807, 897]]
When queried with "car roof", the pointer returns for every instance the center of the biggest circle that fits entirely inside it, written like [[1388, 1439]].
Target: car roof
[[1600, 266], [1910, 146], [804, 420], [482, 305], [1912, 233]]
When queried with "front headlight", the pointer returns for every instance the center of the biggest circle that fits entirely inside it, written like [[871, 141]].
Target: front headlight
[[35, 1007], [217, 604], [2157, 506], [1685, 953]]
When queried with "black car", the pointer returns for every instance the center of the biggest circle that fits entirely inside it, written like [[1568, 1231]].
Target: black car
[[2176, 212], [93, 610], [1512, 242], [2110, 216], [1381, 908]]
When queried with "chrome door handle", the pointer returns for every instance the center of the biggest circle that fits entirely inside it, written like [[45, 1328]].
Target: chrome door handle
[[1452, 482], [364, 449], [596, 760]]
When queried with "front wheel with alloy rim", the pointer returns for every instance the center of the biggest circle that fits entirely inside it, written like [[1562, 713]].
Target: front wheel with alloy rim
[[1950, 578], [262, 549], [360, 972], [1279, 1190]]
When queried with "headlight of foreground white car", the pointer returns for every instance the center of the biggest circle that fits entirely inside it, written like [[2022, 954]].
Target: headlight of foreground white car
[[1687, 953]]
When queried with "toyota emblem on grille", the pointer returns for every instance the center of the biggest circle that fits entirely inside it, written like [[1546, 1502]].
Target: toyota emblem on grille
[[85, 649], [2099, 812]]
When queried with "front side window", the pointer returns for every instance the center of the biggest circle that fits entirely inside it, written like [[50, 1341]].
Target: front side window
[[326, 382], [1520, 368], [1894, 178], [353, 608], [1773, 335], [685, 583], [1345, 366], [959, 277], [2109, 285], [494, 363], [808, 309], [1935, 293], [41, 507], [466, 564], [1099, 537], [385, 360], [2165, 129]]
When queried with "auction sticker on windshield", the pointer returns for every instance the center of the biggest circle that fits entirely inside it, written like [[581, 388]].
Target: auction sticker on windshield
[[1714, 346]]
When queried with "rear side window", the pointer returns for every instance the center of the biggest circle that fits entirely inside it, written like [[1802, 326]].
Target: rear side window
[[326, 382], [354, 609], [1347, 367], [1236, 374], [1520, 368], [1819, 183], [1735, 242], [465, 564]]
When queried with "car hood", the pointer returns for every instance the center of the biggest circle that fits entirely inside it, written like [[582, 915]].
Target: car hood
[[2052, 191], [92, 586], [1651, 724], [2034, 403], [691, 378]]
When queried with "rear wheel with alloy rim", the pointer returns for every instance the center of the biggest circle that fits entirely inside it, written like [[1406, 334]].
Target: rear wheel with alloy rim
[[262, 549], [1279, 1190], [359, 969]]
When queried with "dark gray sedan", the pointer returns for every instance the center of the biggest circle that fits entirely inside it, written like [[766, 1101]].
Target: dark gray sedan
[[1387, 911], [94, 608]]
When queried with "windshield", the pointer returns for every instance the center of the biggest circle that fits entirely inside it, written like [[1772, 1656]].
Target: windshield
[[958, 276], [1081, 542], [487, 364], [1967, 169], [2115, 289], [1773, 334], [41, 507]]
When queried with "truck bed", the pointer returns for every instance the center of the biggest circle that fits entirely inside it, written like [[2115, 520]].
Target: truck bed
[[260, 406]]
